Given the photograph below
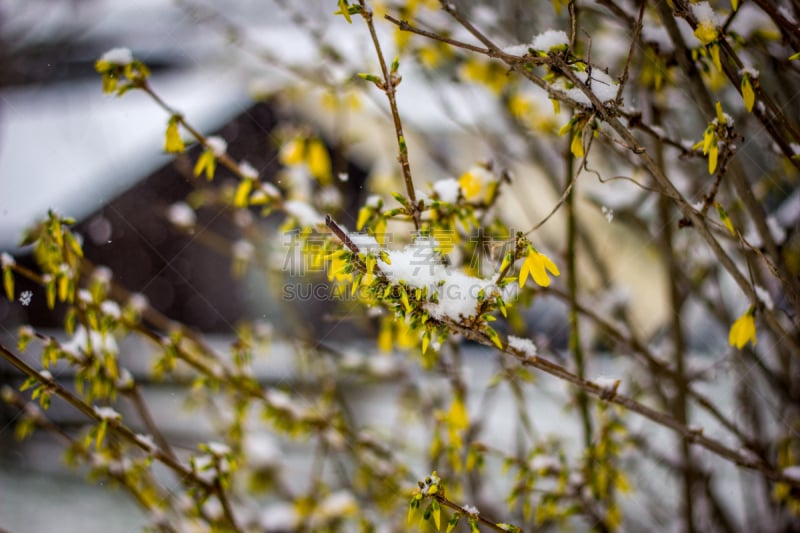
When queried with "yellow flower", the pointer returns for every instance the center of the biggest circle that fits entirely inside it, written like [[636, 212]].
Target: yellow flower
[[292, 152], [743, 330], [173, 142], [206, 163], [338, 267], [537, 265], [706, 32], [471, 185]]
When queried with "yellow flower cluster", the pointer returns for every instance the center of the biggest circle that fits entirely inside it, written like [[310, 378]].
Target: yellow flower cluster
[[310, 152]]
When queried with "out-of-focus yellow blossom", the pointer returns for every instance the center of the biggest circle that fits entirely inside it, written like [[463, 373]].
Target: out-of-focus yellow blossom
[[743, 330], [309, 152], [477, 184], [207, 163], [488, 73], [292, 152], [706, 32]]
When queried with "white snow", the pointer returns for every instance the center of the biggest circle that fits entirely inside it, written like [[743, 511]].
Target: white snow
[[111, 309], [704, 14], [146, 440], [792, 472], [525, 346], [247, 170], [84, 296], [303, 212], [242, 250], [125, 379], [383, 366], [549, 39], [365, 242], [46, 374], [447, 190], [336, 504], [181, 215], [118, 56], [517, 49], [217, 145], [218, 448], [279, 400], [271, 190], [107, 413], [765, 297], [605, 382], [659, 36], [750, 71], [279, 517], [261, 450], [138, 302], [103, 274], [545, 462], [419, 267], [6, 260], [471, 509], [602, 85], [79, 343], [776, 230]]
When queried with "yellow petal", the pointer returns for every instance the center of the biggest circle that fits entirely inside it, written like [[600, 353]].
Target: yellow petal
[[708, 139], [539, 275], [292, 152], [748, 95], [713, 153], [714, 48], [743, 330], [363, 216], [549, 265], [577, 144], [380, 232], [206, 162], [721, 119], [523, 272], [470, 184], [173, 142], [242, 192], [319, 162]]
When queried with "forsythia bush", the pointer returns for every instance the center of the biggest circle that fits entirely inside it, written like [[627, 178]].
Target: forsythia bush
[[685, 112]]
